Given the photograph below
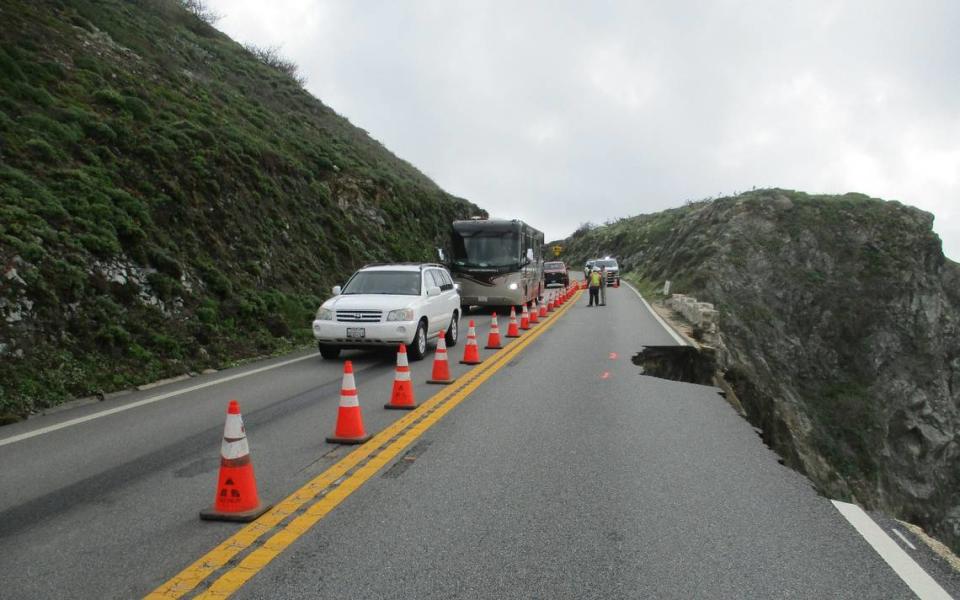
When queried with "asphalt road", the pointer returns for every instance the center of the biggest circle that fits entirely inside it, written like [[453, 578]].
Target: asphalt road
[[566, 474]]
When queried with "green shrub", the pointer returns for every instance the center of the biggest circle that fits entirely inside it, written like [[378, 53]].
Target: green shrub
[[164, 262], [103, 245], [9, 69], [54, 131], [138, 108], [33, 94], [112, 338], [87, 63], [109, 97], [165, 345], [165, 287], [100, 132], [40, 150]]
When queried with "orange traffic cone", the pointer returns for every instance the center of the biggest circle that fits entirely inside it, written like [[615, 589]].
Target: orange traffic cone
[[543, 310], [525, 319], [534, 312], [441, 368], [560, 295], [550, 303], [402, 396], [493, 338], [471, 352], [349, 428], [236, 498], [513, 330]]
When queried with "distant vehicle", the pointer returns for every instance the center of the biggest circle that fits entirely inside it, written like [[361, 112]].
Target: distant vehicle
[[613, 269], [497, 262], [389, 304], [587, 268], [555, 271]]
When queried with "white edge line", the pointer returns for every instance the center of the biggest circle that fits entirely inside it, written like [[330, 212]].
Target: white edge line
[[145, 401], [904, 538], [909, 571], [659, 319]]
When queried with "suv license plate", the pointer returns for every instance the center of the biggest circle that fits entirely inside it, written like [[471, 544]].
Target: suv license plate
[[356, 332]]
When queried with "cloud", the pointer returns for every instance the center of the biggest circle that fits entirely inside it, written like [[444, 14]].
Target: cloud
[[565, 112]]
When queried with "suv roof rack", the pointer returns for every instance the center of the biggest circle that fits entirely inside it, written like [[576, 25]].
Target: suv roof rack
[[403, 264]]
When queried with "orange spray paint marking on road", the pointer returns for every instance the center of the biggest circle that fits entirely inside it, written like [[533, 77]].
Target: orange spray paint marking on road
[[613, 356], [606, 375]]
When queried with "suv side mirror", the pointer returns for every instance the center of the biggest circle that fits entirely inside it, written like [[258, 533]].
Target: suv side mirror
[[336, 290], [433, 291], [440, 254]]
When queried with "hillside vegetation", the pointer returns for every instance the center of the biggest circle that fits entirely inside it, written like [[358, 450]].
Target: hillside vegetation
[[169, 202], [840, 328]]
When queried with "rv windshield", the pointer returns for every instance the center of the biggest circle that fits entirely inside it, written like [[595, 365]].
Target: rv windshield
[[486, 249]]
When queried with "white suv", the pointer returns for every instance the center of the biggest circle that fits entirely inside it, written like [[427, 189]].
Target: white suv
[[384, 305]]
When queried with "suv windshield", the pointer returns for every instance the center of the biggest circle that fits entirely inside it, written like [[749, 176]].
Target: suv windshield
[[486, 248], [384, 282], [553, 266], [609, 262]]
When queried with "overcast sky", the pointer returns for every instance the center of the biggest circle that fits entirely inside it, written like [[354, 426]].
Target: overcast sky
[[564, 112]]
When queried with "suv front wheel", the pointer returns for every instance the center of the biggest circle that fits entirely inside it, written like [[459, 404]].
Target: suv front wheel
[[453, 332], [417, 349]]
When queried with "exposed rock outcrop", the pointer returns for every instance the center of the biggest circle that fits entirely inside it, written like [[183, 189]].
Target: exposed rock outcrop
[[840, 319]]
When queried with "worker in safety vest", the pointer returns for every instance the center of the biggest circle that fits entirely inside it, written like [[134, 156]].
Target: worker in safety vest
[[603, 286], [593, 285]]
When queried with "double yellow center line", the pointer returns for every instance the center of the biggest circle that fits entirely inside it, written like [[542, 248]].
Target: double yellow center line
[[305, 507]]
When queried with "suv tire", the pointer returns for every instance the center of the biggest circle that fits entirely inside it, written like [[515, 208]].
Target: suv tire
[[328, 352], [453, 331], [417, 349]]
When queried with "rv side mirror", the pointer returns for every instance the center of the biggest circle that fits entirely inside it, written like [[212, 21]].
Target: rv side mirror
[[336, 290], [530, 254], [440, 254]]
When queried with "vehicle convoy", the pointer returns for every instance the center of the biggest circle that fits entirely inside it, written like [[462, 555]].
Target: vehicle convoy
[[497, 262], [555, 272], [389, 304], [611, 265]]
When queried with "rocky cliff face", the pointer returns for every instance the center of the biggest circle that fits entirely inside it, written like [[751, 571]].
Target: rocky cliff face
[[840, 320]]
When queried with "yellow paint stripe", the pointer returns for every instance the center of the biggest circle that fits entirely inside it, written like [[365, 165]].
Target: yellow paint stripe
[[188, 579]]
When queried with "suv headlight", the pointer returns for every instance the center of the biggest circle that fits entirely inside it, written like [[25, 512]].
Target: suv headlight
[[324, 314], [403, 314]]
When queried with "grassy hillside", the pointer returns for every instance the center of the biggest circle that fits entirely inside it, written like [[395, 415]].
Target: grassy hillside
[[169, 202], [840, 328]]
